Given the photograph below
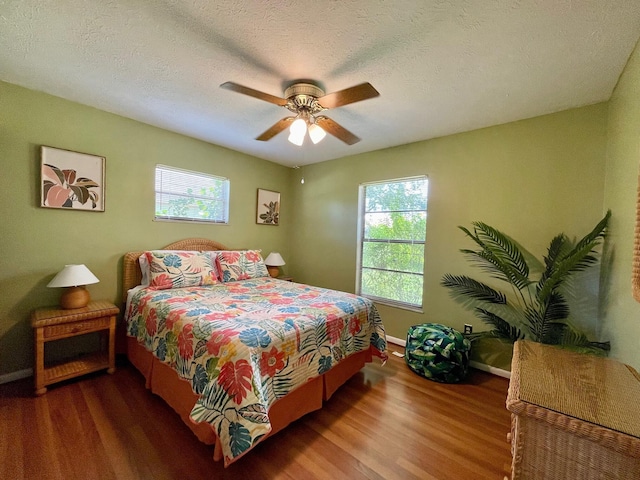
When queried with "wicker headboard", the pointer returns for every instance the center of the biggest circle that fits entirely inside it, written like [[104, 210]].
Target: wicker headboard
[[131, 274]]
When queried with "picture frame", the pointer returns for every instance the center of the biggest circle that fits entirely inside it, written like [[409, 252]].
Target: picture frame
[[71, 180], [268, 207]]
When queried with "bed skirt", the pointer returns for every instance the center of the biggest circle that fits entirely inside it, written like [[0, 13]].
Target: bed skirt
[[177, 393]]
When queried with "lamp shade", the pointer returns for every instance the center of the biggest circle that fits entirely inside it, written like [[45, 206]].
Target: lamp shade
[[274, 259], [297, 131], [316, 133], [73, 276]]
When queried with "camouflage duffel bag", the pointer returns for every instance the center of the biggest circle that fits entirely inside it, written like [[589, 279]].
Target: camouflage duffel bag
[[437, 352]]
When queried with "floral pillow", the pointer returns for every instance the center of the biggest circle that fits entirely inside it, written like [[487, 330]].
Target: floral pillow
[[241, 265], [176, 269]]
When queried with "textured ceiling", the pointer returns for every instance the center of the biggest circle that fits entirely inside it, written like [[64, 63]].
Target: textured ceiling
[[440, 66]]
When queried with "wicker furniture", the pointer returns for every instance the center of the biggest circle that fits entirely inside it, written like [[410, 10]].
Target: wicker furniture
[[574, 416], [51, 324]]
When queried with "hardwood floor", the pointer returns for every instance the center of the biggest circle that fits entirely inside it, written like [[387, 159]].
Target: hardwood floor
[[384, 423]]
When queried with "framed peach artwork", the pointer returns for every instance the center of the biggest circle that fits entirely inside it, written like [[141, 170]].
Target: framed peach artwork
[[71, 180]]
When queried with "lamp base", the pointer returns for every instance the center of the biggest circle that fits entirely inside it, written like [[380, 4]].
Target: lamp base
[[74, 297], [273, 271]]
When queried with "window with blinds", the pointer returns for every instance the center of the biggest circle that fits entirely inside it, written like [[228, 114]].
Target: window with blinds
[[392, 232], [182, 195]]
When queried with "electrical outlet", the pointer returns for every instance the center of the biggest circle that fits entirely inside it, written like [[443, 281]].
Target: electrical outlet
[[468, 329]]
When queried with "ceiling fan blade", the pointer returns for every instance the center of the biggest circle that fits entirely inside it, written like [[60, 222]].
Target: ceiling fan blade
[[337, 130], [348, 95], [275, 129], [234, 87]]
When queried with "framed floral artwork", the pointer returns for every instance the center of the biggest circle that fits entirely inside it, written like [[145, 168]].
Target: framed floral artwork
[[71, 180], [268, 210]]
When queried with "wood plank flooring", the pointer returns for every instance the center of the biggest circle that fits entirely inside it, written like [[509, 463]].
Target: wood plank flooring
[[384, 423]]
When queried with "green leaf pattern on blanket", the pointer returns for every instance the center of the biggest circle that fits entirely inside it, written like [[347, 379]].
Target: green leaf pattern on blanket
[[245, 344]]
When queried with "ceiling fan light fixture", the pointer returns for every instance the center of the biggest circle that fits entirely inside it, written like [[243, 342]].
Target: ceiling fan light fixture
[[296, 140], [316, 133], [297, 131]]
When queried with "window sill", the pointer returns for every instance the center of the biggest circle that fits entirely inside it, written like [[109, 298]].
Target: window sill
[[389, 303]]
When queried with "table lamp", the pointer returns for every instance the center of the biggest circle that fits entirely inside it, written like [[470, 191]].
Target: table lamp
[[273, 261], [73, 278]]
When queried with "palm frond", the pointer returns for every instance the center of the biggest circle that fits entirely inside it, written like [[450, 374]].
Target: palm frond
[[536, 323], [575, 261], [499, 252], [540, 314], [503, 248], [584, 248], [574, 338], [489, 264], [556, 308], [595, 235], [501, 328], [461, 285], [556, 248]]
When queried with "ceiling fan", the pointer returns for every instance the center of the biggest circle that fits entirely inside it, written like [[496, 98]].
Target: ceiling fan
[[308, 101]]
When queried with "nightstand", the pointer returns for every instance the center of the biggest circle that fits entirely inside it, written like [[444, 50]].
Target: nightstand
[[286, 279], [51, 324]]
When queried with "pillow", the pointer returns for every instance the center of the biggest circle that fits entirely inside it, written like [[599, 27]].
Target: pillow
[[176, 269], [241, 265], [144, 268]]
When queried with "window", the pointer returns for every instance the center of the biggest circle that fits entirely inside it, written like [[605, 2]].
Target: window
[[393, 227], [191, 196]]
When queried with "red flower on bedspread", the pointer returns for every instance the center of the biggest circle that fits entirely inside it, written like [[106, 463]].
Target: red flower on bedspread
[[272, 361], [173, 317], [185, 342], [219, 339], [162, 282], [253, 256], [230, 257], [308, 296], [354, 326], [281, 301], [334, 327], [220, 315], [321, 304], [151, 322], [236, 379]]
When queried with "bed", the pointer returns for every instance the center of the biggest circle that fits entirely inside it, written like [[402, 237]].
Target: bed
[[237, 354]]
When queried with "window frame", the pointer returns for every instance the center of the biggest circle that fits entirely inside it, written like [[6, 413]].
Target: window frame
[[172, 218], [361, 241]]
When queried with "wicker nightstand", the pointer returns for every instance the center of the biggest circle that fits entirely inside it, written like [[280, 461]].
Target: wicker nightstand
[[51, 324], [574, 416]]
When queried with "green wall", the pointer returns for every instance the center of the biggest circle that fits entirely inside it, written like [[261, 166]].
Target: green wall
[[621, 311], [38, 242], [531, 179]]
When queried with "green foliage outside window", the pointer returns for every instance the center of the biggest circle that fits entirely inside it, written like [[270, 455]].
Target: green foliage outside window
[[206, 205], [186, 195], [394, 224]]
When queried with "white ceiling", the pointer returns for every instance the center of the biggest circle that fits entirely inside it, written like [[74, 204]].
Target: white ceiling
[[441, 66]]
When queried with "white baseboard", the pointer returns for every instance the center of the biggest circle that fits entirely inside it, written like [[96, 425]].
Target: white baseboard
[[480, 366], [396, 341], [13, 376]]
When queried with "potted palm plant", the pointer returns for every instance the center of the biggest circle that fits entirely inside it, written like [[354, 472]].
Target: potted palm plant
[[535, 309]]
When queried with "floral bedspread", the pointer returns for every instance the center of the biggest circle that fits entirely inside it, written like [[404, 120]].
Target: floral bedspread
[[245, 344]]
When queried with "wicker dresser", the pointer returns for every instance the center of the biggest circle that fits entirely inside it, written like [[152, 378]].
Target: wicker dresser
[[574, 416]]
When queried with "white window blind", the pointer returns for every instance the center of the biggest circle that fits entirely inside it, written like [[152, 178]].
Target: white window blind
[[392, 235], [191, 196]]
